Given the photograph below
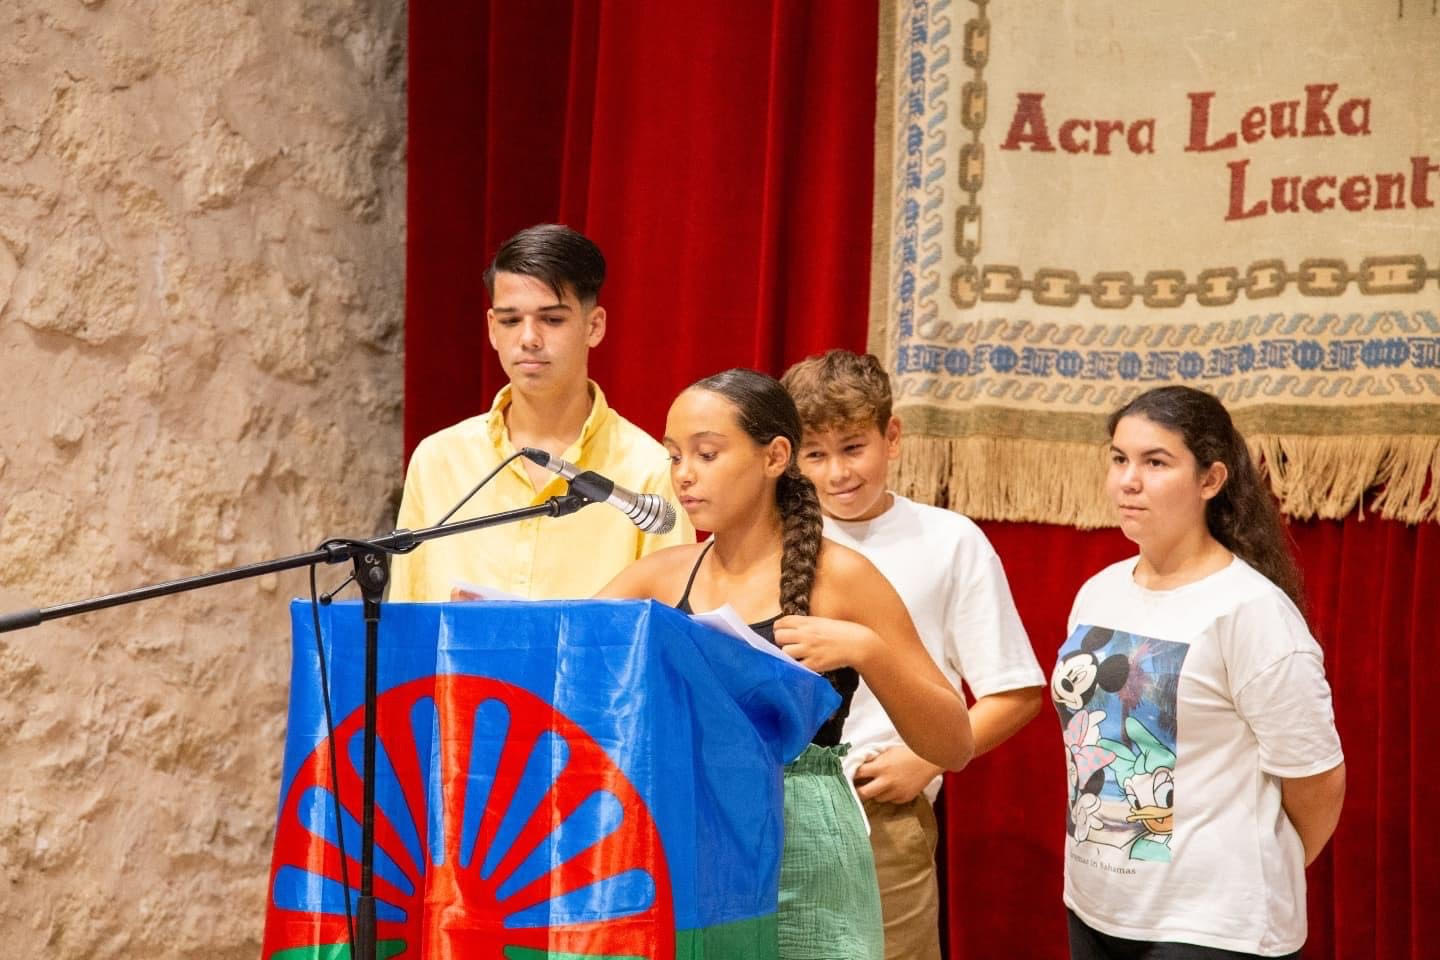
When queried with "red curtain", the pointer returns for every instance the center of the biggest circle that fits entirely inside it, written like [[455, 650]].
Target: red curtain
[[720, 152]]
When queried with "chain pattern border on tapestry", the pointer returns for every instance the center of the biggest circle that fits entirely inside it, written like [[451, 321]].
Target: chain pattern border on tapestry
[[1216, 287], [974, 107]]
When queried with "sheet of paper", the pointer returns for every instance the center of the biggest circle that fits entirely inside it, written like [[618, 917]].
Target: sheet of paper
[[726, 620], [485, 593]]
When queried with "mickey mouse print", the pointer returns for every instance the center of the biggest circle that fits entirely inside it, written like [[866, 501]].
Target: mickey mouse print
[[1116, 696]]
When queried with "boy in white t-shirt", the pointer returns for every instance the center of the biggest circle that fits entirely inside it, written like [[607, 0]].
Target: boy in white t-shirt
[[955, 589]]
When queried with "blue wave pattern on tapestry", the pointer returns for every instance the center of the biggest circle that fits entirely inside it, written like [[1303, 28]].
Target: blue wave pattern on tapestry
[[920, 173], [1295, 347]]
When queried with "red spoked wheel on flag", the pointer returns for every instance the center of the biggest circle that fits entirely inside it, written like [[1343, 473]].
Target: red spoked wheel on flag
[[526, 841]]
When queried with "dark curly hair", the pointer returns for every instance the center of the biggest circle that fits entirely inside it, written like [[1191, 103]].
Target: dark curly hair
[[765, 411], [1243, 515]]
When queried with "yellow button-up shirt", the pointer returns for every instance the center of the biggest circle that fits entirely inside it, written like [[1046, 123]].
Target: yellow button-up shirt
[[544, 558]]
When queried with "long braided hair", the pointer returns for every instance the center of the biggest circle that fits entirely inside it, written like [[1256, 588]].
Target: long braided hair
[[765, 411], [1243, 516]]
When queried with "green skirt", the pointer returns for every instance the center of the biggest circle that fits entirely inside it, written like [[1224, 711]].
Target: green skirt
[[829, 898]]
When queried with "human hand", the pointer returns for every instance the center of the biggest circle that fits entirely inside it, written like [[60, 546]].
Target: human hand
[[896, 775], [823, 644]]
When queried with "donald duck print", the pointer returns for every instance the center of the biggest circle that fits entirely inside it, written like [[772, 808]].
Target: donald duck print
[[1116, 696]]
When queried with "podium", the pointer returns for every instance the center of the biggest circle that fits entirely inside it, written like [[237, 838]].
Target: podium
[[571, 779]]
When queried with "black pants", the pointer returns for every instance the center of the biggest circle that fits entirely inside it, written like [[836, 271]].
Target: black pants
[[1088, 944]]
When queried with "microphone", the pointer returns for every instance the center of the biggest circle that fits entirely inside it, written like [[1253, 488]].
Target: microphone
[[648, 511]]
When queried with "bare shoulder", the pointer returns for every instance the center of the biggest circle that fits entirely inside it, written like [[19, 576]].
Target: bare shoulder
[[841, 561], [846, 582], [660, 575]]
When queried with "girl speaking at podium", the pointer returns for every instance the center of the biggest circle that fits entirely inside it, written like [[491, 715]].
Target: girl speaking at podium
[[732, 439]]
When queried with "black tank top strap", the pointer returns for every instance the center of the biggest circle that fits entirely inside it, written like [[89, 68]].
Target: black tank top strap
[[766, 629], [684, 605], [845, 680]]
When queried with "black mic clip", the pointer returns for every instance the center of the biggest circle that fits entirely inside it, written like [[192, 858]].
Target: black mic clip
[[592, 486]]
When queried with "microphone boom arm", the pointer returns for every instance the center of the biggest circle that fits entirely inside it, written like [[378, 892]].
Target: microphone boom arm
[[331, 551]]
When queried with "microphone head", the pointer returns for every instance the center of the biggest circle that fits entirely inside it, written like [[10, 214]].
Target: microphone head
[[652, 513], [666, 521]]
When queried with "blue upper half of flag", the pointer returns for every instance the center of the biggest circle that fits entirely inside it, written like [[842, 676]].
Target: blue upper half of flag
[[698, 722]]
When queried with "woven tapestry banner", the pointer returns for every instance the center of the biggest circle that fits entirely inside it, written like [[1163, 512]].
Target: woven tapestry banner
[[1077, 202]]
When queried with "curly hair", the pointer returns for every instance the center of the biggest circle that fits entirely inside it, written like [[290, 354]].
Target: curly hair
[[765, 411], [840, 388], [1243, 516]]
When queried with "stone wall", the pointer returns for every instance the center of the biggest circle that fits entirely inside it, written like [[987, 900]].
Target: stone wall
[[201, 293]]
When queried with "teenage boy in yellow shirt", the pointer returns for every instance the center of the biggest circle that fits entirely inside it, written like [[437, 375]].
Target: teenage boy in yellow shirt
[[545, 317]]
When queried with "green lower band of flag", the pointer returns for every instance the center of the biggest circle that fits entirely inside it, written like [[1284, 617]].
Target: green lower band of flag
[[756, 937], [752, 939]]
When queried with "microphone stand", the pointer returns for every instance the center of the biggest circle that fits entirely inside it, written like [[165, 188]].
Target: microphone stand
[[371, 571]]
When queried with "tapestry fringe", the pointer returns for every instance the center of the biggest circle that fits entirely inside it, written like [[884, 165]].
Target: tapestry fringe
[[1330, 476], [1004, 478]]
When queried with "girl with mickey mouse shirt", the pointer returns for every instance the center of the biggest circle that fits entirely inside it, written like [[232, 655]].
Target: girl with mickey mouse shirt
[[1203, 765]]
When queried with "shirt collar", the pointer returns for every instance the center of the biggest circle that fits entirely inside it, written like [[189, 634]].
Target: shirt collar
[[599, 408]]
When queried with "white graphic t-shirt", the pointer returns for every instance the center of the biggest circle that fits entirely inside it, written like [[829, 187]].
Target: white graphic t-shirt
[[955, 590], [1182, 710]]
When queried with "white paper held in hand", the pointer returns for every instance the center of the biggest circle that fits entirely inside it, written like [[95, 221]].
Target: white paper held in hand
[[727, 621]]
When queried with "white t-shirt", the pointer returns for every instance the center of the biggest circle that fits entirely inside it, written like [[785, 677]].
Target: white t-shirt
[[954, 587], [1182, 710]]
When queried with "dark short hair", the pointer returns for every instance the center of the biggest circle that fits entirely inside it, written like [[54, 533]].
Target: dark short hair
[[555, 255]]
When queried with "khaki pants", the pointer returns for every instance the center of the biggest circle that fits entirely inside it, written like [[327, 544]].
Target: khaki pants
[[903, 838]]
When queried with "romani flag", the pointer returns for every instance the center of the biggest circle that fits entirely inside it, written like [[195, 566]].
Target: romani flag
[[564, 780]]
